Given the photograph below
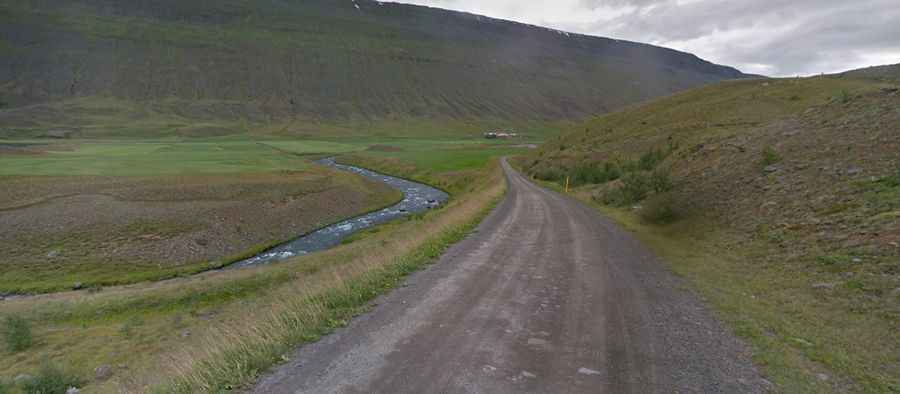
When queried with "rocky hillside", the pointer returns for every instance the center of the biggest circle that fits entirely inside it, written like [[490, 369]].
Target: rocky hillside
[[318, 60], [886, 73], [801, 179]]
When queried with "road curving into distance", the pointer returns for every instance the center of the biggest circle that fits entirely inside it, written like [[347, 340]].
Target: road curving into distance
[[546, 296]]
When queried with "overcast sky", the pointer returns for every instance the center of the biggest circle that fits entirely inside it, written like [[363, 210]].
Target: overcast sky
[[771, 37]]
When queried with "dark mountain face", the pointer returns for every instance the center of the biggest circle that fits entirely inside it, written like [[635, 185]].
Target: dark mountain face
[[325, 59]]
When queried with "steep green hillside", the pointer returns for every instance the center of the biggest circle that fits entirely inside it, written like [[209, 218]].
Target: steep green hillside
[[85, 63], [779, 200]]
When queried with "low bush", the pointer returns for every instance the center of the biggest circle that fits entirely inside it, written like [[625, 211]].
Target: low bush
[[661, 181], [844, 97], [659, 209], [649, 160], [16, 334], [637, 186], [547, 173], [595, 173], [50, 380], [892, 181], [770, 156], [4, 387]]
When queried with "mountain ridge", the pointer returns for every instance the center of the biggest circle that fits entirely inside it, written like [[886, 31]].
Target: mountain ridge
[[323, 60]]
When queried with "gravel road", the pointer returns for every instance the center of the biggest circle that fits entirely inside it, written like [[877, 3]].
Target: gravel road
[[546, 296]]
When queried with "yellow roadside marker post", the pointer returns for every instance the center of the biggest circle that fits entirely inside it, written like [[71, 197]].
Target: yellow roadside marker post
[[567, 184]]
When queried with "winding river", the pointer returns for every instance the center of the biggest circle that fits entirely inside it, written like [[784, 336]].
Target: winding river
[[417, 198]]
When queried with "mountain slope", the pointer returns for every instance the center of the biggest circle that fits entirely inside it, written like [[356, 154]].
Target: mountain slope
[[779, 199], [883, 73], [321, 60]]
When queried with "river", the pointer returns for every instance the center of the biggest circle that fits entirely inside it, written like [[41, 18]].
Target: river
[[417, 198]]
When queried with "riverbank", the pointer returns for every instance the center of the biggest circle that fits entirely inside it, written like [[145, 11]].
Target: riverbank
[[129, 332], [417, 198], [91, 214]]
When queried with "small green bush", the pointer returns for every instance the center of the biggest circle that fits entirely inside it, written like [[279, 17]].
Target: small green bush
[[50, 380], [649, 160], [16, 333], [833, 259], [770, 156], [4, 387], [634, 188], [892, 181], [844, 96], [659, 209], [595, 173], [661, 181], [547, 173]]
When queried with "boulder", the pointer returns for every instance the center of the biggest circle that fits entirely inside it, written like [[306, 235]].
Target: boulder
[[103, 372]]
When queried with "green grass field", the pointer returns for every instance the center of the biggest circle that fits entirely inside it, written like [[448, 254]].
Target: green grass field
[[232, 155], [139, 328], [149, 203], [445, 156], [167, 158], [452, 165]]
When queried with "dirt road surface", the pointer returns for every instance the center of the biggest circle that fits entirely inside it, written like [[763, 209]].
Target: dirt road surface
[[545, 297]]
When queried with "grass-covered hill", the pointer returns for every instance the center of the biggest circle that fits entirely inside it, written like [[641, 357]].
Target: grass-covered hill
[[779, 199], [88, 62], [886, 73]]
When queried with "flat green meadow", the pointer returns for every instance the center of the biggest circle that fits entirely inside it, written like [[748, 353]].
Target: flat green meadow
[[141, 158], [166, 158]]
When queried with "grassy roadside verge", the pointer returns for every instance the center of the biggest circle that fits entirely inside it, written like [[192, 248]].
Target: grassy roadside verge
[[250, 349], [163, 334], [119, 230], [801, 342], [781, 198]]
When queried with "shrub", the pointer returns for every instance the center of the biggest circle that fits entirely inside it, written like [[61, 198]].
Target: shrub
[[50, 380], [659, 209], [649, 160], [892, 181], [4, 387], [844, 96], [660, 181], [770, 156], [634, 188], [547, 173], [595, 173], [16, 333]]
